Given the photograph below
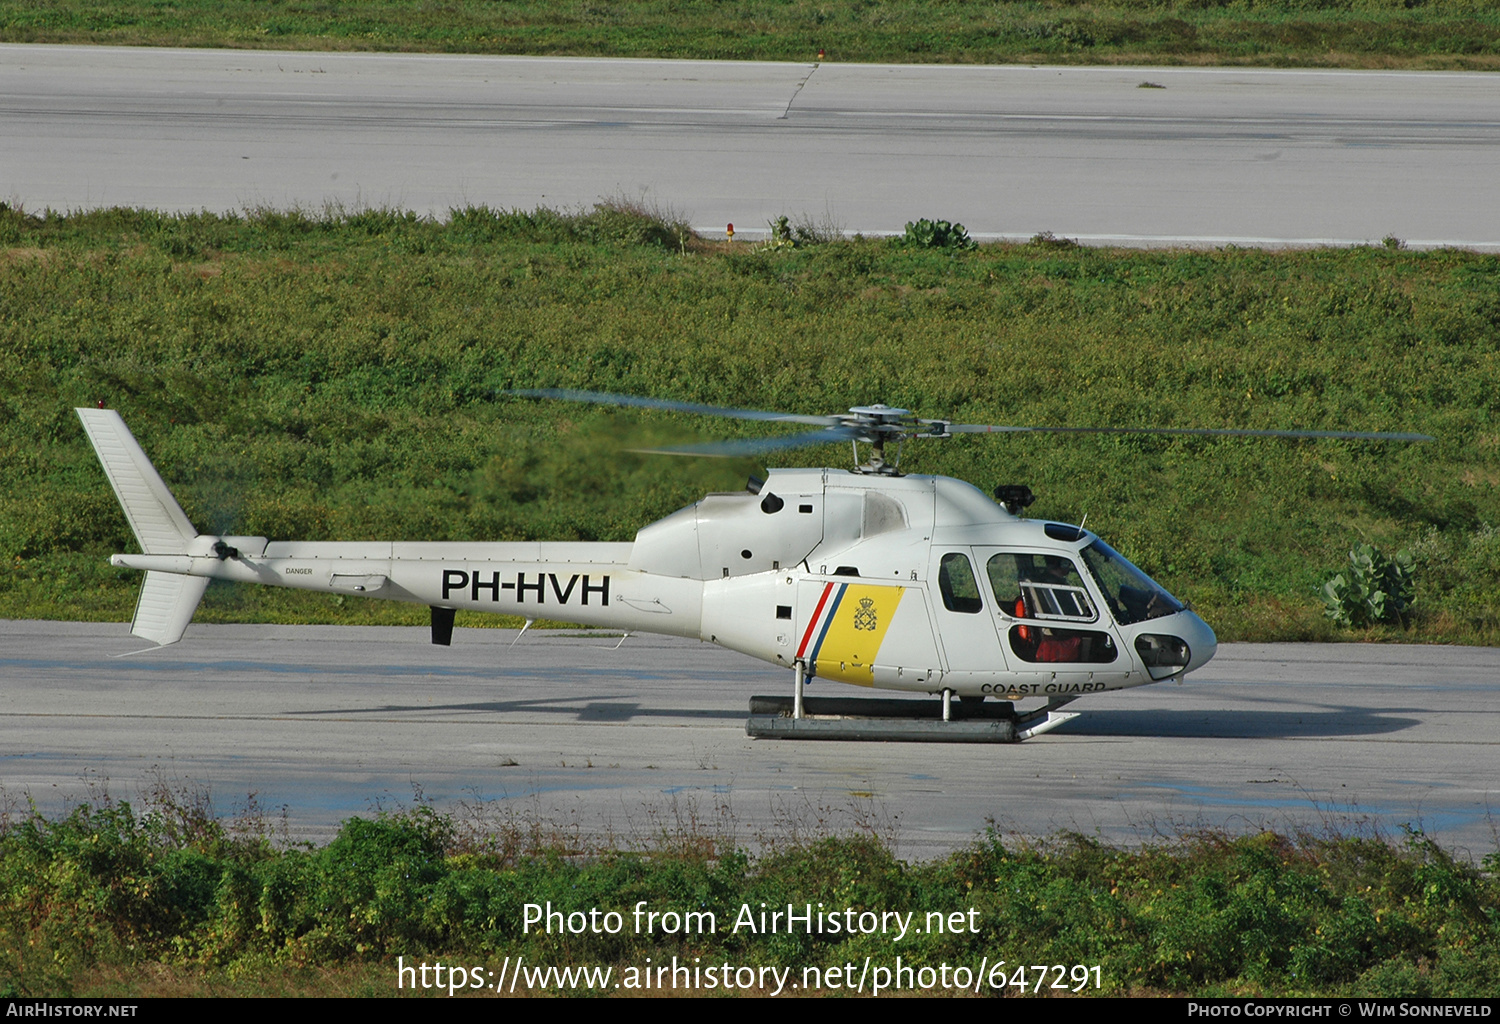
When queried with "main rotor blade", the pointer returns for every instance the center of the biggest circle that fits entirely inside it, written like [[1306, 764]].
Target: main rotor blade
[[1348, 435], [757, 445], [606, 398]]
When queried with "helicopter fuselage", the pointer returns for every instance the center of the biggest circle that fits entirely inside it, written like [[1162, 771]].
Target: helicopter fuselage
[[917, 583]]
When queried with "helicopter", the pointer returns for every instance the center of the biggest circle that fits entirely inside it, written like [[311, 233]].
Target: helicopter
[[866, 576]]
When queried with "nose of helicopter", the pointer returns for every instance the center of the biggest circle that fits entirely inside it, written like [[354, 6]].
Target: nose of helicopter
[[1202, 644]]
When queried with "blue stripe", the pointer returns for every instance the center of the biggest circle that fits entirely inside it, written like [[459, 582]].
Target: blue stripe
[[812, 663]]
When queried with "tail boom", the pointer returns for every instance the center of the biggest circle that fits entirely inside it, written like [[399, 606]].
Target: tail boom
[[590, 584]]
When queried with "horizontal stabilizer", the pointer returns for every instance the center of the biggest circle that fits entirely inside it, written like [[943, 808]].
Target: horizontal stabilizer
[[159, 523], [166, 606]]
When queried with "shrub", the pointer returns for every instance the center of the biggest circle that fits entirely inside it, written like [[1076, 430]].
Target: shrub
[[1047, 240], [1373, 589], [937, 234]]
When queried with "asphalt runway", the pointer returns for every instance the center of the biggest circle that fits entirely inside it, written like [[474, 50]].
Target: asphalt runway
[[1249, 156], [322, 723]]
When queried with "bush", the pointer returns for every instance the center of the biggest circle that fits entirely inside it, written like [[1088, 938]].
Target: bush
[[937, 234], [1047, 240], [1373, 589]]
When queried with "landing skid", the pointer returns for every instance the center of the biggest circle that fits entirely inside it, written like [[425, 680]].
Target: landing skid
[[910, 721]]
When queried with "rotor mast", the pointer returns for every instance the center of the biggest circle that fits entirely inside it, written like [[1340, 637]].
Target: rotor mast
[[875, 425]]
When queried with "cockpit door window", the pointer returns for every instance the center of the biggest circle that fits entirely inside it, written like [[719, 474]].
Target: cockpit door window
[[1031, 585], [1045, 596], [957, 584]]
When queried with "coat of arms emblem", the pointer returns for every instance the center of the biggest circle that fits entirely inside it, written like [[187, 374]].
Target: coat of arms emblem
[[865, 617]]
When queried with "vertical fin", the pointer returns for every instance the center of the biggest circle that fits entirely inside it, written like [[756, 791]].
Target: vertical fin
[[159, 523], [167, 601]]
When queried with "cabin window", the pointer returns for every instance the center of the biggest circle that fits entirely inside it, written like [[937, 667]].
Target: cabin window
[[1033, 585], [956, 581]]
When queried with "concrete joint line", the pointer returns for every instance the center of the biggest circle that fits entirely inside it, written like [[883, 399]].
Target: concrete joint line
[[795, 91]]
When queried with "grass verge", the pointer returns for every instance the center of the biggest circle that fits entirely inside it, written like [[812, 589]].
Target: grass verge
[[1309, 33]]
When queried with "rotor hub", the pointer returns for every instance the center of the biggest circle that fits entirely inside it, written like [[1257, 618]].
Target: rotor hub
[[875, 425]]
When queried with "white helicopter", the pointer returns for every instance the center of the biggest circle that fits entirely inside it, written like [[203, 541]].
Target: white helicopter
[[864, 576]]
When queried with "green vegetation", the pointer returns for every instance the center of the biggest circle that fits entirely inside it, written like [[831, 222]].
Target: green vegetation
[[785, 233], [1319, 33], [169, 900], [1371, 589], [335, 376], [928, 234]]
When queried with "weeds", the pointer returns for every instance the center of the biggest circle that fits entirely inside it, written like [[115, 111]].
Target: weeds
[[105, 890], [612, 221], [779, 236], [785, 233], [824, 230], [1047, 240]]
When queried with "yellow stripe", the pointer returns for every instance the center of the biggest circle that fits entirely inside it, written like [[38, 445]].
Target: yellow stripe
[[853, 640]]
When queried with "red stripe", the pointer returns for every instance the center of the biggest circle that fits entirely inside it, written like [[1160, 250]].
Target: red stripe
[[813, 622]]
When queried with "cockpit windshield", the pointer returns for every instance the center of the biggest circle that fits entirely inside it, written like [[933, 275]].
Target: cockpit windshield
[[1132, 596]]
